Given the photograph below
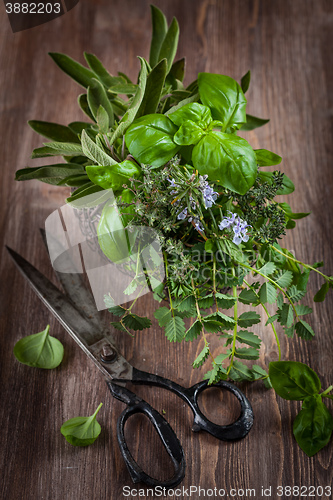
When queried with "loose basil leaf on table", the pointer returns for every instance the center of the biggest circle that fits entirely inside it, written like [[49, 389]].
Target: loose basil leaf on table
[[313, 425], [224, 97], [293, 380], [227, 159], [39, 350], [82, 431], [150, 139]]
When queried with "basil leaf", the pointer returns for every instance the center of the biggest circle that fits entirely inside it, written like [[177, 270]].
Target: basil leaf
[[313, 425], [289, 213], [224, 97], [53, 131], [97, 67], [189, 133], [287, 185], [160, 28], [182, 103], [170, 43], [82, 75], [39, 350], [82, 431], [96, 96], [293, 380], [94, 152], [266, 158], [245, 81], [154, 86], [113, 177], [130, 114], [227, 159], [194, 112], [253, 122], [150, 139], [50, 174]]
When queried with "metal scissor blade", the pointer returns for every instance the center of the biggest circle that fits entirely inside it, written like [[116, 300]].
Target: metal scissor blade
[[91, 339], [77, 292]]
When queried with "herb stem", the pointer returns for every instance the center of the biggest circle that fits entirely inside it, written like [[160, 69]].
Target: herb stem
[[325, 393], [200, 319], [233, 350]]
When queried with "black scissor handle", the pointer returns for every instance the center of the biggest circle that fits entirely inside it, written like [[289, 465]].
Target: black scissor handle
[[237, 430], [164, 431]]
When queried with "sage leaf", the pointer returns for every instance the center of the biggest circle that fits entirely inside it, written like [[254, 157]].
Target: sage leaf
[[226, 159], [150, 139], [159, 28], [83, 103], [97, 67], [253, 122], [82, 75], [94, 152], [50, 174], [54, 131], [154, 86], [103, 120], [96, 96], [313, 425], [39, 350], [169, 45], [293, 380], [130, 114], [82, 431], [224, 97]]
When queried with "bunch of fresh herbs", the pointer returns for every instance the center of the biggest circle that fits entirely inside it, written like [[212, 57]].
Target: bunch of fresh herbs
[[172, 156]]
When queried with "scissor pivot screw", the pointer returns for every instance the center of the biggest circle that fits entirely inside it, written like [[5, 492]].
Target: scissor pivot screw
[[108, 355]]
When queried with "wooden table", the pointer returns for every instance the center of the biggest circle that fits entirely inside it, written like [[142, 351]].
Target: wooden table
[[288, 46]]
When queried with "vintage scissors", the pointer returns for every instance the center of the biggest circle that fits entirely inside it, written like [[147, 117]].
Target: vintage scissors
[[77, 313]]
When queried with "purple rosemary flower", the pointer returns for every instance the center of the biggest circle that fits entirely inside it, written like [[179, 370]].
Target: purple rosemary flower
[[172, 182], [182, 215], [208, 193]]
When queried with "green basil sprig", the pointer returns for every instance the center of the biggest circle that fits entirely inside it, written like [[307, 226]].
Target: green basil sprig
[[39, 350], [82, 431], [296, 381]]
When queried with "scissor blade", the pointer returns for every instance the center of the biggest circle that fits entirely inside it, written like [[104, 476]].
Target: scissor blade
[[77, 326], [76, 290]]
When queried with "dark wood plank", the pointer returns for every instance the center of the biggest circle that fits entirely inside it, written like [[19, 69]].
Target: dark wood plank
[[287, 45]]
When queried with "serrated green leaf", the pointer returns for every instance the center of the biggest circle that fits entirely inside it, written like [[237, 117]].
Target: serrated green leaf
[[175, 329], [302, 309], [188, 305], [248, 318], [225, 301], [163, 315], [271, 319], [213, 326], [206, 302], [239, 372], [201, 358], [260, 371], [294, 294], [247, 353], [248, 296], [268, 268], [136, 322], [249, 338], [119, 326], [304, 330], [286, 315], [194, 331], [267, 293], [284, 281]]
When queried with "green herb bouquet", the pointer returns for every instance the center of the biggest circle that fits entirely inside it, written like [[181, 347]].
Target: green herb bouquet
[[173, 157]]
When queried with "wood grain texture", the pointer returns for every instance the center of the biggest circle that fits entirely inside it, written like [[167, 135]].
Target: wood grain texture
[[287, 44]]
